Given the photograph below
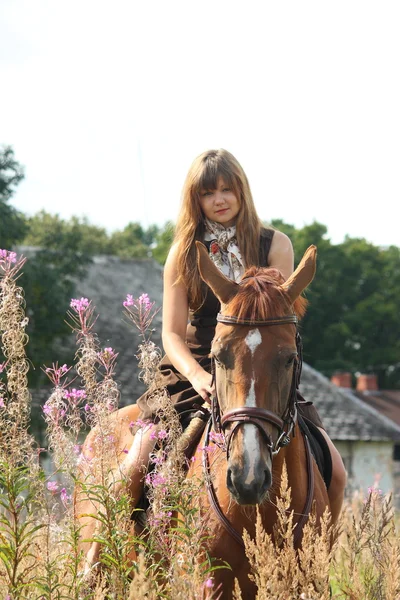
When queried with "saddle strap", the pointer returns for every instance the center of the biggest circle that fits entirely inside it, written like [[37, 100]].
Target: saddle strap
[[310, 492]]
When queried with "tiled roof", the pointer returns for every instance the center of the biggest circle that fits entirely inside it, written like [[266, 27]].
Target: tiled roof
[[387, 402], [343, 414], [110, 279]]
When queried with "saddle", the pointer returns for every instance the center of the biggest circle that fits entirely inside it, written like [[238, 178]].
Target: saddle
[[319, 448]]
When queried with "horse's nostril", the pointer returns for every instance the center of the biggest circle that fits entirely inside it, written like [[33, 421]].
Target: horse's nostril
[[267, 480]]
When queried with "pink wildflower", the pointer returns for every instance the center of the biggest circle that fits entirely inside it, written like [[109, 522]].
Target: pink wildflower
[[2, 403], [155, 479], [8, 256], [75, 395], [158, 459], [79, 305], [52, 486], [209, 583], [55, 373], [140, 423], [207, 449], [162, 434], [129, 300], [65, 498], [217, 438], [144, 301], [107, 353]]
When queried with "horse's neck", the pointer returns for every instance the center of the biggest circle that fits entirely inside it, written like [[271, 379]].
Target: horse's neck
[[293, 456]]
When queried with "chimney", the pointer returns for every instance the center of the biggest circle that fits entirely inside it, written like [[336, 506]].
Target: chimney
[[342, 380], [367, 383]]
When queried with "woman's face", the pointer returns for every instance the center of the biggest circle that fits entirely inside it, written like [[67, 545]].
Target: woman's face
[[220, 205]]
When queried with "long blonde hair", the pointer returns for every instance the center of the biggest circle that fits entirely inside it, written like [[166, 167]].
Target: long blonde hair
[[203, 175]]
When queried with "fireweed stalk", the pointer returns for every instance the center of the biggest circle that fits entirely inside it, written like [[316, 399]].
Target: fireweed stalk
[[15, 398], [62, 413], [176, 530], [166, 433], [20, 489], [96, 368]]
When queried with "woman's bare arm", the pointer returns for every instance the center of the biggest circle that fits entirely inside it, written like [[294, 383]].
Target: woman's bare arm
[[281, 254], [175, 317]]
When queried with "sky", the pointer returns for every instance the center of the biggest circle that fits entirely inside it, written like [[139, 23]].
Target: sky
[[106, 104]]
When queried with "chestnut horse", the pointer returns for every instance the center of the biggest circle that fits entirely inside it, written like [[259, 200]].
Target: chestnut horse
[[255, 361]]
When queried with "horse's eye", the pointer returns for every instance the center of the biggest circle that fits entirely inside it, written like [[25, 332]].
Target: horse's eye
[[291, 360], [217, 360]]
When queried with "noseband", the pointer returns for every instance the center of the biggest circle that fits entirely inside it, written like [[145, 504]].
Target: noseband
[[254, 415]]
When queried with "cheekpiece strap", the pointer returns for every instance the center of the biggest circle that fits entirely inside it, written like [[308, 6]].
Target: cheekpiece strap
[[232, 320]]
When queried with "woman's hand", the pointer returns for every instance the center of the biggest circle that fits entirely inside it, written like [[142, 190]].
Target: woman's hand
[[201, 382]]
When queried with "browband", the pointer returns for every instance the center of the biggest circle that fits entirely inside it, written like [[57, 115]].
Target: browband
[[231, 320]]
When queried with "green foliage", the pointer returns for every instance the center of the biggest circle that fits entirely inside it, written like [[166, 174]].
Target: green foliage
[[45, 230], [351, 323], [19, 528], [132, 241], [163, 240], [64, 252], [12, 223]]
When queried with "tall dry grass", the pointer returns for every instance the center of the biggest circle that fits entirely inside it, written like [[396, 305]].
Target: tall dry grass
[[39, 531]]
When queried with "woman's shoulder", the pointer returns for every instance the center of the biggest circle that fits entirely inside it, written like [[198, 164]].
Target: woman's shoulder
[[267, 233], [280, 240], [172, 259], [277, 238]]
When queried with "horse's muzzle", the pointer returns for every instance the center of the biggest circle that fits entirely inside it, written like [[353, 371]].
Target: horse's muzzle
[[246, 490]]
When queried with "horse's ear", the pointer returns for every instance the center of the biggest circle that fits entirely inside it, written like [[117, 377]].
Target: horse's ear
[[303, 275], [223, 287]]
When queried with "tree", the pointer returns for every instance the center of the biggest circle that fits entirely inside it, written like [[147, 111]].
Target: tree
[[352, 322], [163, 242], [133, 241], [49, 281], [12, 223], [44, 229]]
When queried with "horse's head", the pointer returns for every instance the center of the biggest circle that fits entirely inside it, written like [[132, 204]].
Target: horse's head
[[255, 353]]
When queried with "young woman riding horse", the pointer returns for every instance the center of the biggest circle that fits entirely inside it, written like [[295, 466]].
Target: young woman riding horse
[[218, 211]]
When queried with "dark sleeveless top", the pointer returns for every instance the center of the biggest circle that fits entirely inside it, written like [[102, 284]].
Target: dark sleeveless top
[[199, 335]]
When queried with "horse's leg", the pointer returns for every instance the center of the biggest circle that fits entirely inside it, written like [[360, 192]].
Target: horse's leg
[[338, 481], [132, 454]]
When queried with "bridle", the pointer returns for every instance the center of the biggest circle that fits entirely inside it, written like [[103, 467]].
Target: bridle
[[254, 415], [259, 417]]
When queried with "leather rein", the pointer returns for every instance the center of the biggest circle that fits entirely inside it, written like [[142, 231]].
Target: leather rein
[[259, 417]]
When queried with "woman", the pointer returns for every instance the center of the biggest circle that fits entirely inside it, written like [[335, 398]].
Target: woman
[[217, 209]]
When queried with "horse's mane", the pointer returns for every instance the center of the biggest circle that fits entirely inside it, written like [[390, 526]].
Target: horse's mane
[[261, 297]]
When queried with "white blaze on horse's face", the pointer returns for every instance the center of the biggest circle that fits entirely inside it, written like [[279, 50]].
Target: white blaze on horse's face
[[253, 340]]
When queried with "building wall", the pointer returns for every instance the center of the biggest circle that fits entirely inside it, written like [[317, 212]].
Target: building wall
[[368, 464]]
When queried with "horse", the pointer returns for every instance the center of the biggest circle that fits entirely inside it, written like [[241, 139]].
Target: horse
[[255, 365]]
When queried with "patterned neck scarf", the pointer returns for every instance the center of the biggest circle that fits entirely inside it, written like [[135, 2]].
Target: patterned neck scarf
[[224, 249]]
